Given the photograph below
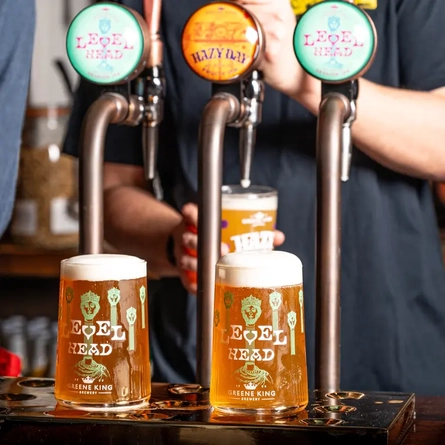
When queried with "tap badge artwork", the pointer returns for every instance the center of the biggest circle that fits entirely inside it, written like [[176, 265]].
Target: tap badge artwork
[[94, 340], [220, 42], [257, 342], [105, 43], [334, 41]]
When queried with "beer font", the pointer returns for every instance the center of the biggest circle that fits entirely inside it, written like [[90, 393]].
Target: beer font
[[259, 350], [113, 46], [103, 358], [335, 42], [223, 43]]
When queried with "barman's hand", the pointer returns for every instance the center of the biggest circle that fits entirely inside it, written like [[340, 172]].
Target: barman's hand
[[186, 245], [280, 66], [386, 129]]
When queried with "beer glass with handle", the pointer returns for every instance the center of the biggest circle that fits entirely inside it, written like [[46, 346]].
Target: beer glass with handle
[[103, 358], [259, 350]]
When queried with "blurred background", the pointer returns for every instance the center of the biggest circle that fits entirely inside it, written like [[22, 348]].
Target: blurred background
[[44, 228]]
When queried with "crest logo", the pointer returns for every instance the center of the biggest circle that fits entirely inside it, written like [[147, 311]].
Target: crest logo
[[258, 219], [250, 386], [105, 44]]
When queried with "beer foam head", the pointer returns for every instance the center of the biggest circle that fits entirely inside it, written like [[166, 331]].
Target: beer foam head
[[103, 267], [257, 198], [259, 269]]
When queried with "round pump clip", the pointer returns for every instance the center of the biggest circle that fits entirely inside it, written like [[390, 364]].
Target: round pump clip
[[335, 41], [222, 42], [108, 44]]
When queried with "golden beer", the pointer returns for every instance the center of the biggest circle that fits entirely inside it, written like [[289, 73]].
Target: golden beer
[[248, 217], [103, 358], [259, 349]]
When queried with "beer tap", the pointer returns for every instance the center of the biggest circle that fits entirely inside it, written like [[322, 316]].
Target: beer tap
[[109, 45], [335, 42], [223, 43], [154, 89], [253, 89]]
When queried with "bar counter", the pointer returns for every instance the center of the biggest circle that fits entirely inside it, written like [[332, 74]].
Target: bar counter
[[29, 414]]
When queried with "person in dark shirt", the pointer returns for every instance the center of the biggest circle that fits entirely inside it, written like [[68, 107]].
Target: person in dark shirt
[[393, 279], [17, 23]]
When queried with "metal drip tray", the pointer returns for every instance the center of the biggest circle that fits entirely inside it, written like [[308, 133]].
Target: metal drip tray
[[181, 414]]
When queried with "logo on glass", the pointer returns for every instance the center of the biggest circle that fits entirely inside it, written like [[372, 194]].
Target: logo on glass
[[334, 41], [105, 43]]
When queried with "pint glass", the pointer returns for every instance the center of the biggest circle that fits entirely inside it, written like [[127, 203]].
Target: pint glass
[[103, 358], [248, 217], [259, 351]]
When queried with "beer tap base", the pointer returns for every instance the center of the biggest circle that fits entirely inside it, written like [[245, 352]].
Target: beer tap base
[[181, 415]]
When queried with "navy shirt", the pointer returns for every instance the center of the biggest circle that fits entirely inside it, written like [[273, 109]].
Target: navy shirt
[[393, 279], [17, 23]]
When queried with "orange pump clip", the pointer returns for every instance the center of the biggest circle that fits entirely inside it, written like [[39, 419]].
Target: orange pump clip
[[221, 41]]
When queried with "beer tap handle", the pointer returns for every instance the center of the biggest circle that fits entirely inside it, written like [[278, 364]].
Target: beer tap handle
[[253, 96], [346, 153]]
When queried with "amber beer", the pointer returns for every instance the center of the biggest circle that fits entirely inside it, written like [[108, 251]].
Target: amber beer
[[248, 217], [259, 352], [103, 358]]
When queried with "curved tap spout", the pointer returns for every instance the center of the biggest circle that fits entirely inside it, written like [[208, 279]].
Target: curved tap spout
[[253, 92], [222, 109], [110, 108]]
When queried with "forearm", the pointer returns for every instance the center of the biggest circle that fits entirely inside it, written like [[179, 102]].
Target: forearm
[[138, 224], [401, 129]]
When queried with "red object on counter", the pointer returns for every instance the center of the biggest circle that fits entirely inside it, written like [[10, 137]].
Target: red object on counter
[[10, 364]]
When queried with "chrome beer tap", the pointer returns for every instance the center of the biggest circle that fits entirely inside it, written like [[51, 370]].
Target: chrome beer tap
[[110, 45], [253, 96], [227, 57], [345, 29], [154, 89]]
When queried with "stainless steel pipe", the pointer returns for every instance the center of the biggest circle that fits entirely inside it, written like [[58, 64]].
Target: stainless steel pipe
[[221, 110], [110, 108], [334, 110]]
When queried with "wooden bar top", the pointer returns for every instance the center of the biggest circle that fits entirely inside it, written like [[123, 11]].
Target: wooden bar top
[[429, 427]]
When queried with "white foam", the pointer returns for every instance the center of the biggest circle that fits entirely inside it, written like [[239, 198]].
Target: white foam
[[103, 267], [245, 183], [251, 198], [259, 269]]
